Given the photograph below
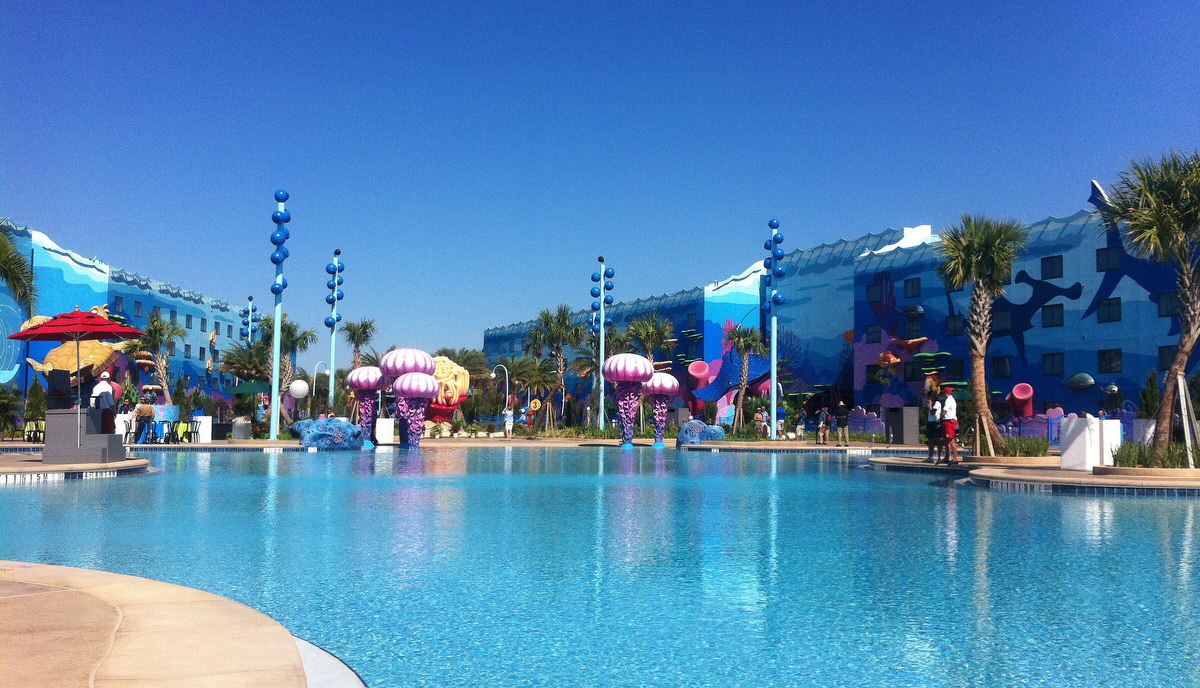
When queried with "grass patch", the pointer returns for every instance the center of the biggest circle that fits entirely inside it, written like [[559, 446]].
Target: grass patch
[[1134, 455], [1026, 446]]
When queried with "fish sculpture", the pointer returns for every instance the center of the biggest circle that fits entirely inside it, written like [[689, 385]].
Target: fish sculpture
[[1111, 390], [910, 345], [887, 359], [1080, 382]]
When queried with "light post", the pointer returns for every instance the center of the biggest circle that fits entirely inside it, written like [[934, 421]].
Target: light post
[[775, 272], [280, 217], [316, 368], [501, 365], [334, 270], [250, 321], [600, 323]]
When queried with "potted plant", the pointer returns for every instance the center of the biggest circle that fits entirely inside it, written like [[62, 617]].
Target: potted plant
[[436, 430], [455, 428], [473, 430], [491, 429]]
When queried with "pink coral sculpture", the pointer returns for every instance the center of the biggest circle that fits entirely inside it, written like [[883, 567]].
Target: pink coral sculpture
[[627, 372], [660, 388], [413, 392], [400, 361]]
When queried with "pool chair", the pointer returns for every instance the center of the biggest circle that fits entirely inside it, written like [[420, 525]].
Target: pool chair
[[184, 432], [162, 432], [35, 431]]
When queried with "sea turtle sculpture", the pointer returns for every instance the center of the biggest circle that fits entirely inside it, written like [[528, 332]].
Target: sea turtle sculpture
[[93, 356], [1080, 382]]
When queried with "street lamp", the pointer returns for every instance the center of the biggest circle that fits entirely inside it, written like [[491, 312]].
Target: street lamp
[[334, 270], [501, 365], [280, 217], [314, 385], [600, 323], [770, 279]]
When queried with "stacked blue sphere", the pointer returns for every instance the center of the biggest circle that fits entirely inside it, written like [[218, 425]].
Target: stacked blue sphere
[[250, 319], [280, 217], [774, 247], [334, 271], [606, 275]]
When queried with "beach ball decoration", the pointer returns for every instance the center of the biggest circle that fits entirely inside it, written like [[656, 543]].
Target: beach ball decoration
[[280, 217], [298, 389], [397, 362]]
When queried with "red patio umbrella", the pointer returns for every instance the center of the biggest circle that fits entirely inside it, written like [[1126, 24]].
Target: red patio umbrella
[[76, 326]]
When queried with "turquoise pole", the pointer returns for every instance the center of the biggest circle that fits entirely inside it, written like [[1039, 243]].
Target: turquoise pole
[[280, 217], [333, 328]]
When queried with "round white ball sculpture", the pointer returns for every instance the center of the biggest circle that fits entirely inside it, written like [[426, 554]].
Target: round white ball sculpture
[[298, 389]]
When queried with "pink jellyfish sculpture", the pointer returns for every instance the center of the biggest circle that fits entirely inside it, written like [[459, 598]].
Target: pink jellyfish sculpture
[[365, 382], [660, 388], [413, 392], [400, 361], [627, 372]]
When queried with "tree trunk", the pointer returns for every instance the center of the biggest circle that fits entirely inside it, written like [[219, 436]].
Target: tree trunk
[[160, 370], [979, 331], [1189, 332], [357, 358], [739, 418]]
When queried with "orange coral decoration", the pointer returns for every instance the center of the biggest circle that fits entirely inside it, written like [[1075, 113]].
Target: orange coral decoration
[[887, 359], [910, 345], [848, 335], [453, 384]]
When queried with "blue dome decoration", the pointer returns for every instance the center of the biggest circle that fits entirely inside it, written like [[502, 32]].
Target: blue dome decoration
[[773, 224], [285, 251], [779, 299], [767, 245], [246, 322], [595, 305], [253, 328], [244, 332], [778, 238], [329, 321], [330, 284], [608, 285], [778, 253], [610, 273], [595, 329], [608, 299], [595, 292], [281, 217], [766, 306], [767, 280], [329, 299], [281, 196], [767, 262], [914, 311], [339, 317], [341, 266], [340, 295], [277, 257], [779, 271], [330, 269], [255, 318], [340, 279], [596, 277], [278, 237], [608, 322], [253, 309], [277, 289]]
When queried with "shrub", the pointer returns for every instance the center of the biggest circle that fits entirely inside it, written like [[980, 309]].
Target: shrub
[[35, 402], [1027, 446], [1134, 455], [491, 428], [436, 430], [456, 426]]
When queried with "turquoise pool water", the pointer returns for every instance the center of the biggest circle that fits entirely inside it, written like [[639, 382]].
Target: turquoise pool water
[[565, 567]]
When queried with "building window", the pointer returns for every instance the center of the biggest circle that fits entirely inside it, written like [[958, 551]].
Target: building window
[[1001, 321], [119, 304], [1108, 258], [216, 355], [693, 349], [912, 372], [171, 349], [874, 334], [955, 325], [955, 368], [1052, 267], [187, 350], [912, 288], [1052, 315], [137, 308], [912, 328], [512, 347], [187, 321], [1168, 304], [1166, 356], [874, 293], [204, 324], [872, 373], [156, 312], [1108, 360], [1109, 310], [1001, 366], [202, 356], [229, 330], [691, 321], [1054, 364], [174, 317]]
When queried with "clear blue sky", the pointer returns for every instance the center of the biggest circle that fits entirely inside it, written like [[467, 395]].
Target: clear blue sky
[[471, 159]]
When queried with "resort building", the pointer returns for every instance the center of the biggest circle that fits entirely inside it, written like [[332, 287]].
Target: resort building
[[66, 280], [858, 311]]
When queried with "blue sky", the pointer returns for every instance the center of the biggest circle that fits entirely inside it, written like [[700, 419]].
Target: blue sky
[[472, 159]]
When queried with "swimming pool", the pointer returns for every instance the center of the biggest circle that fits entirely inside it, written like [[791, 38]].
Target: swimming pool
[[552, 567]]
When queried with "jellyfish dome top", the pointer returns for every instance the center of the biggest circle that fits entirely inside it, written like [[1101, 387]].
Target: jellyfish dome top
[[415, 386], [365, 378], [401, 361], [627, 368], [663, 384]]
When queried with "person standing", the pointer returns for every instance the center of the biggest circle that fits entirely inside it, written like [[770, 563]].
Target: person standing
[[102, 398], [143, 416], [933, 428], [508, 423], [842, 415], [801, 425], [823, 425], [949, 416]]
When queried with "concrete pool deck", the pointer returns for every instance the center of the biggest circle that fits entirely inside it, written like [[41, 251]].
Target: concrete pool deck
[[63, 626]]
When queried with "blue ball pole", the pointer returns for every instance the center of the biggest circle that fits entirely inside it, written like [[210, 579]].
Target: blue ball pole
[[280, 217]]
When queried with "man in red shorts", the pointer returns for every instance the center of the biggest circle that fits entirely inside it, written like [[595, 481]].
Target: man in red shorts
[[950, 424]]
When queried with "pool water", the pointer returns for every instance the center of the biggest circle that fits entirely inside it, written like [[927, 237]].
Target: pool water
[[586, 567]]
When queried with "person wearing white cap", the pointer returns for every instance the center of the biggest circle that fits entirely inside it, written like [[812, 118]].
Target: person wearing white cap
[[102, 398]]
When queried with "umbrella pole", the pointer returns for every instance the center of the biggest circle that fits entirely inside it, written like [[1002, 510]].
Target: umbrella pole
[[78, 406]]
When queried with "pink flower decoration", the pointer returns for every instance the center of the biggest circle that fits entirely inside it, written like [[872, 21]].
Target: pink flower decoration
[[400, 361], [627, 368]]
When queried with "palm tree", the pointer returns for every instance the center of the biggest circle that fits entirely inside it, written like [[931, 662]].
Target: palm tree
[[554, 331], [746, 341], [247, 362], [372, 357], [358, 335], [586, 362], [1158, 204], [981, 251], [158, 337], [650, 333], [16, 271], [292, 341], [536, 377]]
